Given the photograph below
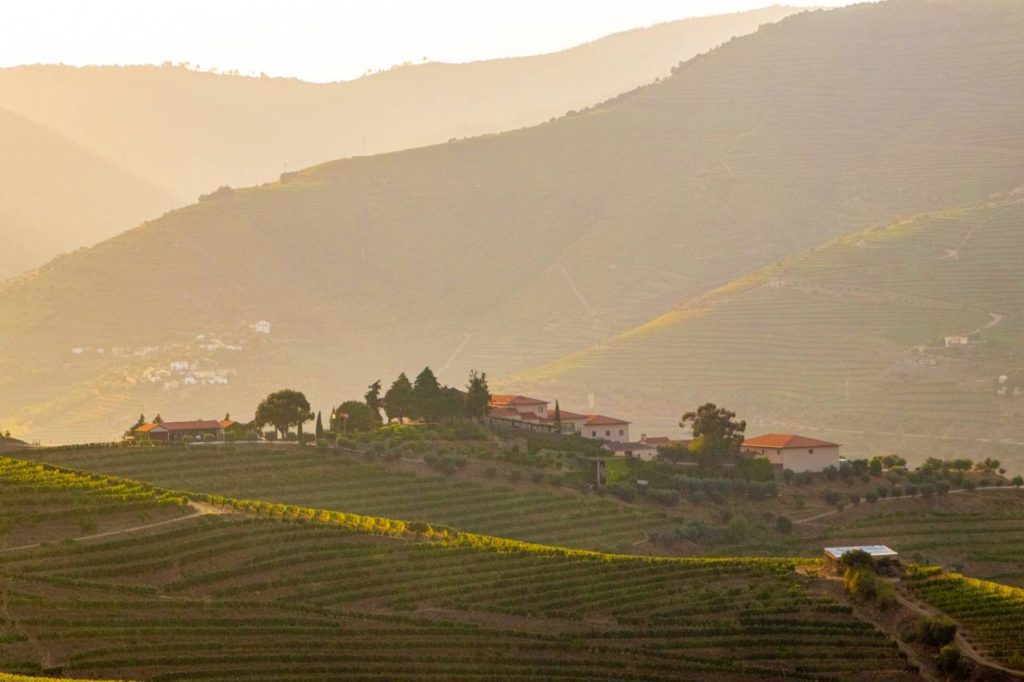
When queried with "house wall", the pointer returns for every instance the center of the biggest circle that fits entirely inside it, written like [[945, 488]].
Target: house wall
[[575, 424], [619, 432], [810, 459]]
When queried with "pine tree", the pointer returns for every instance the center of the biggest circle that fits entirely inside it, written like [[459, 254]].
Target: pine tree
[[558, 417], [478, 395], [427, 401], [319, 426], [373, 399], [398, 399]]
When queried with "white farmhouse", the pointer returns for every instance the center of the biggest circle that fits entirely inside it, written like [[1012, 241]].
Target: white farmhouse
[[261, 327], [797, 453]]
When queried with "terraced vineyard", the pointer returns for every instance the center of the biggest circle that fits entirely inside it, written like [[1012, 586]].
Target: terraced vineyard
[[267, 599], [845, 338], [318, 478], [991, 615], [980, 533], [284, 592], [39, 503]]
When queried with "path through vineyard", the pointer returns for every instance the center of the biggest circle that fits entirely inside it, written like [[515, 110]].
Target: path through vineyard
[[198, 509]]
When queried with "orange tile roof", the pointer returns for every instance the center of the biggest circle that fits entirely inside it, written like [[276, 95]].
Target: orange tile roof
[[198, 425], [504, 413], [566, 415], [145, 428], [786, 440], [505, 400], [601, 420]]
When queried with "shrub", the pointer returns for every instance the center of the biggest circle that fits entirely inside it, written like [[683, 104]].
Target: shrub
[[936, 630], [784, 525], [490, 472], [831, 497], [664, 496], [871, 497], [625, 493], [537, 476]]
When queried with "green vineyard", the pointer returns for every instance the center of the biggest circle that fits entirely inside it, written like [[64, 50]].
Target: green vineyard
[[991, 614], [311, 477], [292, 593]]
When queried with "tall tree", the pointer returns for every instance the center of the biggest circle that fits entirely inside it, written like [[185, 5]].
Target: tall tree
[[398, 399], [282, 410], [319, 426], [715, 430], [158, 419], [478, 395], [452, 403], [558, 417], [426, 396], [355, 416], [373, 399]]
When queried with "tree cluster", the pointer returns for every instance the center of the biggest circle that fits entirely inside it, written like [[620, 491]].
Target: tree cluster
[[427, 400]]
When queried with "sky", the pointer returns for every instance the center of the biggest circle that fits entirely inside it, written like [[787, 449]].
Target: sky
[[322, 40]]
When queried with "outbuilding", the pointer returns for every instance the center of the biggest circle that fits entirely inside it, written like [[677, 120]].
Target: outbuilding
[[886, 559]]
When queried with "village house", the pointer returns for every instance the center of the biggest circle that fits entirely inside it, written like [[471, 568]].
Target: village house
[[177, 432], [261, 327], [952, 341], [796, 453], [533, 414], [641, 451]]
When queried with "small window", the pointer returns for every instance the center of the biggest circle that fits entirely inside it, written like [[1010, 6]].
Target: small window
[[620, 432], [811, 451]]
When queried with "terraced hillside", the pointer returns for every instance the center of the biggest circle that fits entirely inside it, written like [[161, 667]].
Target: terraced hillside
[[40, 504], [980, 532], [991, 614], [508, 251], [317, 478], [846, 340], [298, 596]]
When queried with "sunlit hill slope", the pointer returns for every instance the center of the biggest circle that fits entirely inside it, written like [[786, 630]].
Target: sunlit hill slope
[[189, 132], [509, 251]]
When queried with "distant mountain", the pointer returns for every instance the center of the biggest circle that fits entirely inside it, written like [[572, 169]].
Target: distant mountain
[[847, 341], [510, 251], [188, 133], [56, 195]]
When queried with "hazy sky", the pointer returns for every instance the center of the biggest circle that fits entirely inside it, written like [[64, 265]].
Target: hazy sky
[[321, 40]]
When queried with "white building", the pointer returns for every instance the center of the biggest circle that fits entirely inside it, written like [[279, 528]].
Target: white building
[[633, 450], [952, 341], [607, 428], [261, 327], [179, 366], [797, 453]]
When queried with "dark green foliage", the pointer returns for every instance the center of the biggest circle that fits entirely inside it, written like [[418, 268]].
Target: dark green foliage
[[373, 399], [398, 401], [478, 395], [716, 432], [283, 409], [427, 398], [353, 416], [936, 630], [783, 525]]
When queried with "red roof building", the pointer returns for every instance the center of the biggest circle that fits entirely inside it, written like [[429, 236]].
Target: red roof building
[[794, 452]]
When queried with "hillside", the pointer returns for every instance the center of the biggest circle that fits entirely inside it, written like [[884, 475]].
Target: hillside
[[509, 251], [845, 340], [56, 195], [269, 591], [981, 533], [188, 132]]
